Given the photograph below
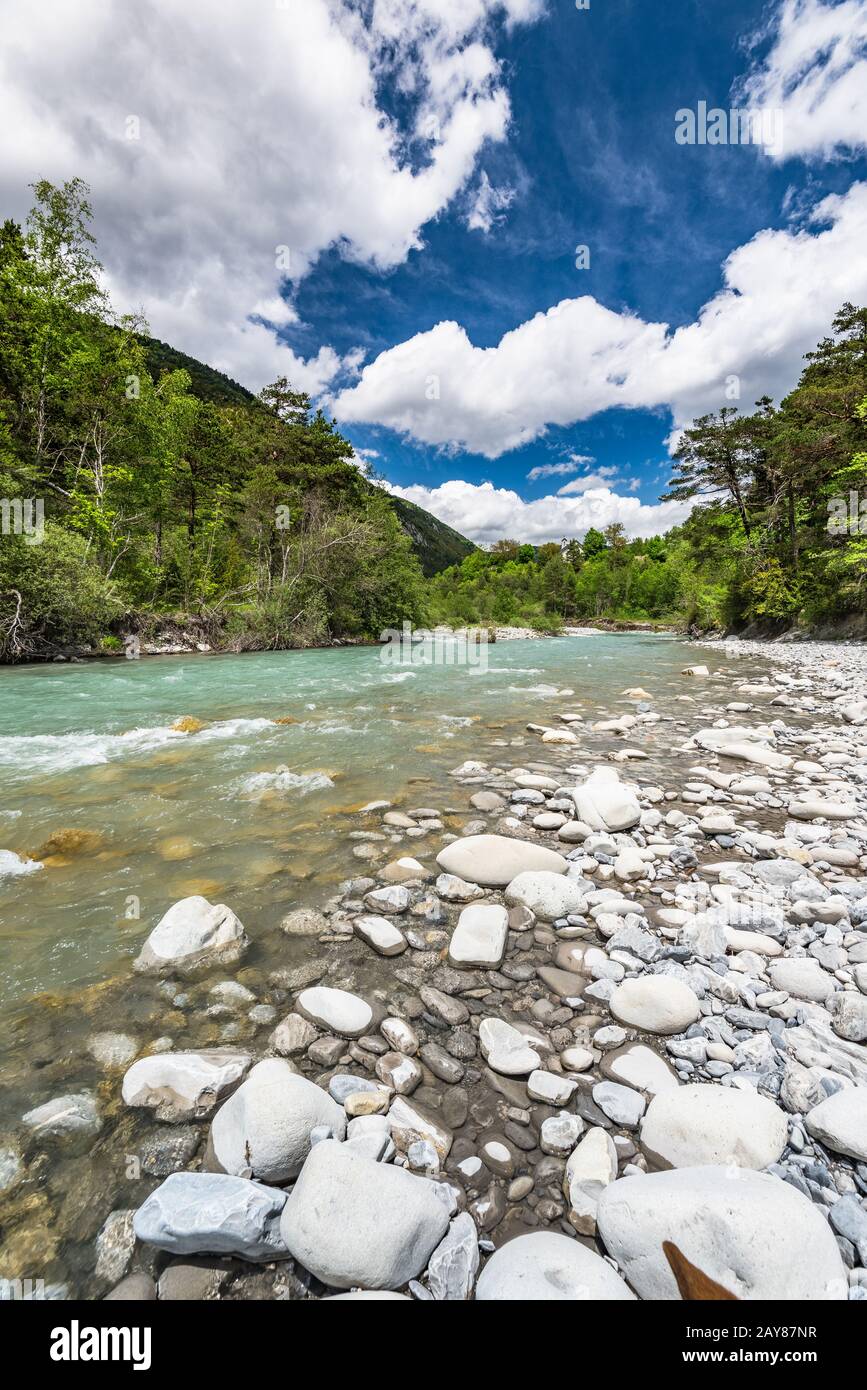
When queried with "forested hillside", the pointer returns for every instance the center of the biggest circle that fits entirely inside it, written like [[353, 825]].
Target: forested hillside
[[141, 486], [436, 545]]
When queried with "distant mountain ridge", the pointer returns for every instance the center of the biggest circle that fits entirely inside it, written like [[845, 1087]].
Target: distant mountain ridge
[[436, 545]]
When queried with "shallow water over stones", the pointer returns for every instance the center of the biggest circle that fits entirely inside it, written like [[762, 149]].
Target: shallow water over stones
[[301, 866]]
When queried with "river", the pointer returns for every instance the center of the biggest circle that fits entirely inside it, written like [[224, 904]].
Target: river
[[261, 815]]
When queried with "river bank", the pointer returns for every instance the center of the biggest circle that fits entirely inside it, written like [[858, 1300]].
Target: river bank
[[586, 969]]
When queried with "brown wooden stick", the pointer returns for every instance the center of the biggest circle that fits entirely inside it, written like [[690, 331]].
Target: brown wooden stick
[[692, 1284]]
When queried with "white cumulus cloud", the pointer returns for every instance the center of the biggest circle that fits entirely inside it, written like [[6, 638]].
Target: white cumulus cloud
[[815, 75], [214, 132], [485, 513], [780, 291]]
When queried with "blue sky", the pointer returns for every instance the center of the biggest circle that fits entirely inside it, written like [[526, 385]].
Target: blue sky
[[429, 168], [592, 161]]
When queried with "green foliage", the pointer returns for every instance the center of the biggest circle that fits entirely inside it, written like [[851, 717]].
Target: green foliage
[[757, 548], [51, 593], [168, 488]]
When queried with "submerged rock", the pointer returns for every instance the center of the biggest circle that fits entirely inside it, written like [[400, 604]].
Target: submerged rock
[[192, 935], [66, 1117]]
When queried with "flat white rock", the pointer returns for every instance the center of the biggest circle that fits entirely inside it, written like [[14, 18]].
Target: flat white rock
[[479, 939], [547, 1086], [639, 1066], [505, 1049], [380, 933], [336, 1010], [494, 860]]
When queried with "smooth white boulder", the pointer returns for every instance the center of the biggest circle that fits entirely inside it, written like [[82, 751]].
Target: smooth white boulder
[[604, 803], [380, 933], [655, 1003], [263, 1130], [700, 1124], [494, 860], [354, 1222], [180, 1086], [479, 939], [801, 976], [505, 1049], [213, 1214], [548, 896], [840, 1122], [547, 1267], [335, 1010], [752, 1233], [193, 934]]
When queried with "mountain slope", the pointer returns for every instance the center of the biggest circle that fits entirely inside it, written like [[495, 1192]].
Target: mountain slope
[[436, 545]]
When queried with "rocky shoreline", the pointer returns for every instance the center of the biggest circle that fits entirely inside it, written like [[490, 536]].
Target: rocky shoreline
[[607, 1013]]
